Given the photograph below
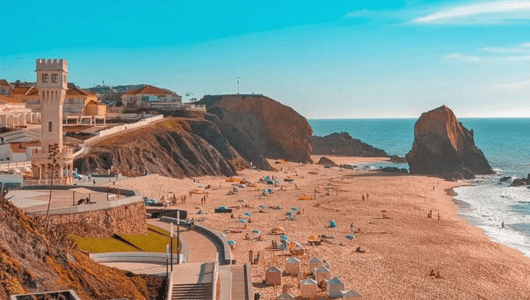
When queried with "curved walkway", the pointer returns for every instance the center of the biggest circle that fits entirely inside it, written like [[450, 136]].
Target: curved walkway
[[200, 247]]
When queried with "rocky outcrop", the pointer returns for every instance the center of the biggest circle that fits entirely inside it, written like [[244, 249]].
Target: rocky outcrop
[[31, 261], [342, 144], [444, 147], [175, 147], [259, 127], [326, 162]]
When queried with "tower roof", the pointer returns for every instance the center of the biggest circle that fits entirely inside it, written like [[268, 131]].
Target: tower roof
[[4, 82]]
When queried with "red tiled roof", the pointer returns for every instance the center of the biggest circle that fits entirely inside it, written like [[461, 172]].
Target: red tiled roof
[[149, 90], [96, 102], [8, 99], [4, 82], [22, 90]]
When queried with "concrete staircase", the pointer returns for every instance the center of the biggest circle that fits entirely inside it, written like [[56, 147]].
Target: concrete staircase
[[197, 291]]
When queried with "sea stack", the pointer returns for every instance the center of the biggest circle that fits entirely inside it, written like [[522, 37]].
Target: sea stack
[[444, 147]]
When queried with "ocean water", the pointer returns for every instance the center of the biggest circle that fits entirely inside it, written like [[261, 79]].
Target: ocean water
[[505, 143]]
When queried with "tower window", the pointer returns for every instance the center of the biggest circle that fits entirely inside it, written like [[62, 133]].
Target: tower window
[[45, 78], [50, 126], [54, 78]]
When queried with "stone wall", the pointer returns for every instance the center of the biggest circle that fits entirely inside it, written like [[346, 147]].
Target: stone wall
[[126, 219]]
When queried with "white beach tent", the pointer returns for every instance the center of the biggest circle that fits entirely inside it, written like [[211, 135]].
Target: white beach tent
[[314, 263], [292, 266], [308, 288], [351, 295], [285, 296], [335, 287], [273, 276], [321, 273]]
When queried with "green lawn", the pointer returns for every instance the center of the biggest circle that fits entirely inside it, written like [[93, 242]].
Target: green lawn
[[155, 241]]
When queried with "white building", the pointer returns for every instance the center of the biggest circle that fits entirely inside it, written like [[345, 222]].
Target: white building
[[151, 97]]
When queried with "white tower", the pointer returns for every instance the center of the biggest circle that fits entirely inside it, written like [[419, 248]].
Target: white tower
[[52, 83]]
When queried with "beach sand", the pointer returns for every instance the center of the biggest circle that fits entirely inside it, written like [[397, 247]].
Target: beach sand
[[401, 250]]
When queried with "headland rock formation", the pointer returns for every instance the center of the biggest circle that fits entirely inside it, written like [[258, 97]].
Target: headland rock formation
[[444, 147], [259, 127], [342, 144], [175, 147]]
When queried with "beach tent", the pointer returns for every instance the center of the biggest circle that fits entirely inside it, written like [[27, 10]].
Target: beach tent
[[321, 273], [313, 237], [308, 288], [196, 191], [335, 287], [273, 276], [304, 197], [351, 295], [332, 224], [314, 263], [292, 266], [285, 296]]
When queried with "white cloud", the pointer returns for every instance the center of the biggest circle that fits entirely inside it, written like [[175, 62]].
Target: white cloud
[[462, 57], [514, 58], [506, 50], [513, 85], [479, 13]]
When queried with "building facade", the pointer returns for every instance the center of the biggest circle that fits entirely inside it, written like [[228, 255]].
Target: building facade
[[151, 97]]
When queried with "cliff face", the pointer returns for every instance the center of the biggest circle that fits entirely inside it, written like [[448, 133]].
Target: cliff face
[[344, 145], [30, 262], [176, 147], [444, 147], [259, 127]]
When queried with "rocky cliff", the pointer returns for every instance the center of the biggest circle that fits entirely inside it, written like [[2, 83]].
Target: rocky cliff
[[31, 261], [343, 144], [259, 127], [176, 147], [444, 147]]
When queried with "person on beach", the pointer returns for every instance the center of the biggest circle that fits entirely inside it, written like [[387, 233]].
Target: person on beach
[[351, 227], [363, 198], [502, 225], [250, 256]]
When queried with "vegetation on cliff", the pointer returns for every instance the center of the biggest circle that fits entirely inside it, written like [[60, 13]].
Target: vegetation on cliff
[[32, 261]]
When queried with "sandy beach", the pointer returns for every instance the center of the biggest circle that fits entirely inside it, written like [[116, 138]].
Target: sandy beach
[[402, 244]]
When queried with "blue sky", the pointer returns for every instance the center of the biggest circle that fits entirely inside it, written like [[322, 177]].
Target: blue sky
[[326, 59]]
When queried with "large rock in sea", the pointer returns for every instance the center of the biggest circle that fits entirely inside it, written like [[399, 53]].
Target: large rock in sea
[[444, 147], [259, 127], [342, 144]]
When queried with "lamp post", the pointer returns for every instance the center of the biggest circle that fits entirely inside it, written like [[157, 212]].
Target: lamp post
[[167, 261], [178, 237], [171, 247], [237, 85]]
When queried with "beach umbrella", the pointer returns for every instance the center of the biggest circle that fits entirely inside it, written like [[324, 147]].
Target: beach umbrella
[[280, 229], [332, 224], [223, 207], [262, 207], [242, 220], [248, 214], [294, 208], [241, 200], [313, 237], [283, 237], [350, 237], [255, 231], [288, 213], [231, 242]]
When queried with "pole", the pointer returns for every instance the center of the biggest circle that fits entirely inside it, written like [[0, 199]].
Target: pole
[[171, 247], [178, 237], [167, 261], [238, 85], [73, 198]]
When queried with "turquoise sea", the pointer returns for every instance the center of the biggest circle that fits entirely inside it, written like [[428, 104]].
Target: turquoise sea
[[505, 143]]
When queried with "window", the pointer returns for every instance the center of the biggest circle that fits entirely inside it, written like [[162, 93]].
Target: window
[[64, 78], [45, 78], [50, 126], [54, 78], [2, 91]]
